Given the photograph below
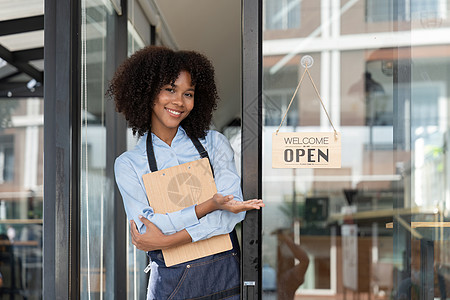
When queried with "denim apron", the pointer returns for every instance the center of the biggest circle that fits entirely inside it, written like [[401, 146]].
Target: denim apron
[[213, 277]]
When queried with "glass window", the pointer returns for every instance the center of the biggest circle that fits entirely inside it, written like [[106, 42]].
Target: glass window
[[6, 158], [282, 14], [21, 195], [21, 157], [137, 259], [377, 227], [278, 90], [135, 41], [97, 216], [382, 10]]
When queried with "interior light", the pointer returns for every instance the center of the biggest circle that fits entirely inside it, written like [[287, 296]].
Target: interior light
[[31, 84]]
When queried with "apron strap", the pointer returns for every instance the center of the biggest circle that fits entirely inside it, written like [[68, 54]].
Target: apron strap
[[202, 151], [151, 154]]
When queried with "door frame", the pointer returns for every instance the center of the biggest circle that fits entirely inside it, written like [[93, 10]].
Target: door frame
[[251, 155]]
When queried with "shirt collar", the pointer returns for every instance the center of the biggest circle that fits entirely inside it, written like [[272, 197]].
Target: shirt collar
[[180, 134], [142, 143]]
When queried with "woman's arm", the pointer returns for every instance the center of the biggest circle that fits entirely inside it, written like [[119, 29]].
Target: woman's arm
[[228, 182], [136, 203], [154, 239], [135, 200]]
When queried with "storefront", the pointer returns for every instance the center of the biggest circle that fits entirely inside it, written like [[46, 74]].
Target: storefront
[[376, 228]]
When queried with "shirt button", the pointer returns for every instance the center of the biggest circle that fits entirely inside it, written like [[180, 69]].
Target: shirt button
[[188, 266]]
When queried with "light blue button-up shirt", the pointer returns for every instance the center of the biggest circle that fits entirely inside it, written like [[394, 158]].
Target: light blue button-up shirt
[[131, 165]]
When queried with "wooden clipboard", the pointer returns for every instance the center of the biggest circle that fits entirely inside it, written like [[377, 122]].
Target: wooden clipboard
[[175, 188]]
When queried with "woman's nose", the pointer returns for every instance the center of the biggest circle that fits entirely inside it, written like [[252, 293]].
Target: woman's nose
[[178, 99]]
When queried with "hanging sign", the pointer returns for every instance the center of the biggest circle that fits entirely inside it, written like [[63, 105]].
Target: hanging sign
[[306, 150], [310, 149]]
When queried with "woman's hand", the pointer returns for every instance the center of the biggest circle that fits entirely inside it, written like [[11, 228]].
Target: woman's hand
[[234, 206], [151, 239], [154, 239]]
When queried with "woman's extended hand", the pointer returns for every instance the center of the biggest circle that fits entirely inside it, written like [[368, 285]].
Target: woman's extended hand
[[151, 239], [234, 206]]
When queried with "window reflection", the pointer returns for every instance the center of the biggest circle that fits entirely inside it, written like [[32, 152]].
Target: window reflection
[[378, 226], [282, 14], [137, 280], [382, 10], [6, 158], [96, 190], [21, 150]]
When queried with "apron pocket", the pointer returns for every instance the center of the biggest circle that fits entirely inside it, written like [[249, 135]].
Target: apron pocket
[[208, 277]]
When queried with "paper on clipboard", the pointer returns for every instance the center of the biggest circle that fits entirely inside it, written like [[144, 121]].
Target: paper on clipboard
[[181, 186]]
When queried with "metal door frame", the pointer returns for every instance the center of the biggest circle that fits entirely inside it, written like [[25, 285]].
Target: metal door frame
[[251, 144]]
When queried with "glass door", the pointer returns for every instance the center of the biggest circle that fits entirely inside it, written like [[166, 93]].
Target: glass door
[[376, 228]]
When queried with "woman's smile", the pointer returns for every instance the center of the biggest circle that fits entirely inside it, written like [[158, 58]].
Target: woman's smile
[[173, 112]]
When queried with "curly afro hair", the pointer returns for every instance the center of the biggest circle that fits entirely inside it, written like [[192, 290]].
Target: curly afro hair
[[140, 78]]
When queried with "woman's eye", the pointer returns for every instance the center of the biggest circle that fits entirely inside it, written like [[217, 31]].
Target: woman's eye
[[189, 95], [170, 90]]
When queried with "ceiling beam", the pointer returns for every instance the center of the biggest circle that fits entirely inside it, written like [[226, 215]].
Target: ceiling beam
[[4, 85], [21, 66], [28, 54], [9, 76], [21, 25], [19, 90], [26, 93]]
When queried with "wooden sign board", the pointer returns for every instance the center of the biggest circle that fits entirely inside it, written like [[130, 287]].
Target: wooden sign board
[[306, 150], [175, 188]]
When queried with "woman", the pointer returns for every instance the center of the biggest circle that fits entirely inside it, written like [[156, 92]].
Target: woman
[[168, 99]]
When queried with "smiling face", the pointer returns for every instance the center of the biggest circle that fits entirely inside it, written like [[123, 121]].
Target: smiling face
[[172, 105]]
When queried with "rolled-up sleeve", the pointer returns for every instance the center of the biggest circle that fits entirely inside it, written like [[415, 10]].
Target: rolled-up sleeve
[[136, 203], [227, 183]]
